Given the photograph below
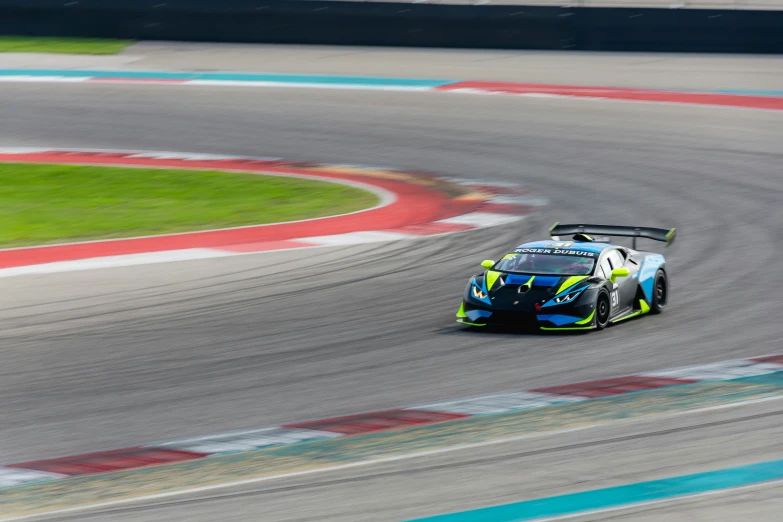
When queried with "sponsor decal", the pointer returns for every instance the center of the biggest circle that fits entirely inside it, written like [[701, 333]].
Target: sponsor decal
[[554, 251]]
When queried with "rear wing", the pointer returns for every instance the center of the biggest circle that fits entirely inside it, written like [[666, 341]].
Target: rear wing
[[656, 234]]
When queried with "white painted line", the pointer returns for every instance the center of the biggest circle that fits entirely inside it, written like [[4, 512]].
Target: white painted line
[[43, 79], [114, 261], [18, 476], [482, 219], [383, 460], [355, 238], [250, 83], [22, 150], [183, 156]]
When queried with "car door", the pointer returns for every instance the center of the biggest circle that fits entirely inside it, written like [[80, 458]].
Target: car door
[[625, 286], [605, 270]]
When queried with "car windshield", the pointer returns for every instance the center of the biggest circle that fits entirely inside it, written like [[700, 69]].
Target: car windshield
[[546, 264]]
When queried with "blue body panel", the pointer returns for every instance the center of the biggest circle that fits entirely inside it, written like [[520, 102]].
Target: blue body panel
[[647, 272], [559, 319], [517, 279]]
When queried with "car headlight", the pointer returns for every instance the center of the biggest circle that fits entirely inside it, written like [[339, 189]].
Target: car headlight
[[478, 294], [567, 298]]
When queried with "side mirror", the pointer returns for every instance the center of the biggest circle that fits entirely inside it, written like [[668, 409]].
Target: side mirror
[[619, 272], [487, 263]]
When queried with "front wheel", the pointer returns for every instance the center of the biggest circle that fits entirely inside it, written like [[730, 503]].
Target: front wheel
[[660, 292], [603, 310]]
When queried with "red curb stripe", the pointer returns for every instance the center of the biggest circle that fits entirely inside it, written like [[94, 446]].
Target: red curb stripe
[[377, 421], [137, 457], [266, 246], [724, 100], [427, 229], [615, 386], [777, 359], [415, 205], [108, 461]]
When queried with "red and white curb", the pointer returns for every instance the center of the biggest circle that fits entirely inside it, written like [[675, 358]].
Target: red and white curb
[[193, 448], [413, 205], [761, 100]]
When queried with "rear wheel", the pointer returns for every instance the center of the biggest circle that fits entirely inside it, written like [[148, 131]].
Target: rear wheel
[[603, 310], [660, 292]]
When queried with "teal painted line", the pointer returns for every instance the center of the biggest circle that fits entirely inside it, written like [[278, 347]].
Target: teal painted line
[[242, 77], [608, 498], [749, 92], [297, 79]]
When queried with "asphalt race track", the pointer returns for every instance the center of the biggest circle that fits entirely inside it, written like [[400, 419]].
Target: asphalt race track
[[117, 357]]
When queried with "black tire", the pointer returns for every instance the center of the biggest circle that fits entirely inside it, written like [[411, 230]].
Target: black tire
[[660, 292], [603, 310]]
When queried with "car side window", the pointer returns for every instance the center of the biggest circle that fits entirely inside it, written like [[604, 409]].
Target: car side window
[[615, 259], [605, 270]]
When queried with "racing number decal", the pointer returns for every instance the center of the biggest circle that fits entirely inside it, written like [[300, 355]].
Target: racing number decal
[[615, 298]]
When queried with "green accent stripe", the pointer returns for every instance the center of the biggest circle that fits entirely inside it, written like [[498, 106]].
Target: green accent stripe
[[571, 281], [461, 312], [607, 498], [492, 276], [670, 236]]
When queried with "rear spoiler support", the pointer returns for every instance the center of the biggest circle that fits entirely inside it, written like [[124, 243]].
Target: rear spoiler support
[[656, 234]]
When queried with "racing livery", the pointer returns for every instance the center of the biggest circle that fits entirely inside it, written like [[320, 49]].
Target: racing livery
[[585, 283]]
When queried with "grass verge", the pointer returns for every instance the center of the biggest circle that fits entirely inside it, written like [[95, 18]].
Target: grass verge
[[33, 44], [42, 204]]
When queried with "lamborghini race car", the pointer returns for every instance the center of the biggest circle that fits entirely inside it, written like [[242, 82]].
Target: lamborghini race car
[[584, 283]]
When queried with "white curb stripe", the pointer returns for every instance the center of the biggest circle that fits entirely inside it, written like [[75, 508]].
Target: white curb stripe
[[254, 438], [383, 460], [247, 440], [18, 476], [501, 403], [719, 371]]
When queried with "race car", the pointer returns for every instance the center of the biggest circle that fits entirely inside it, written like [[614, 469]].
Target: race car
[[585, 283]]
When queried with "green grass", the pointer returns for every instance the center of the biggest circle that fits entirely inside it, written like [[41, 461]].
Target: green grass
[[32, 44], [42, 204]]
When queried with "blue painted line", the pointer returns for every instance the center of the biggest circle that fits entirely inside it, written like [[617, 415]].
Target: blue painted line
[[607, 498], [246, 77]]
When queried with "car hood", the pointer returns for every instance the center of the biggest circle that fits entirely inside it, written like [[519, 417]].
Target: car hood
[[521, 292]]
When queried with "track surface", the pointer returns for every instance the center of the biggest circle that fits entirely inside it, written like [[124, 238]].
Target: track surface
[[111, 358]]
